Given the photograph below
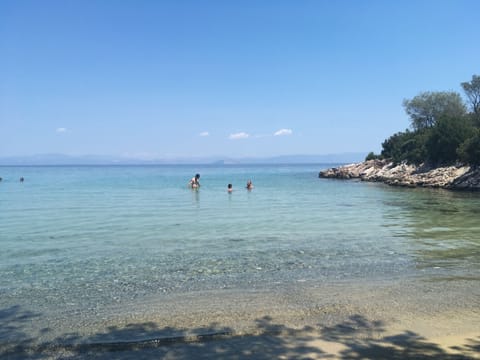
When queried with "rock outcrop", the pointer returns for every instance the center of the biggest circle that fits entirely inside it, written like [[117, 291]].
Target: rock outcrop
[[451, 177]]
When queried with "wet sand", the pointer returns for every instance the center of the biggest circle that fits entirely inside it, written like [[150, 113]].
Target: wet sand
[[387, 320]]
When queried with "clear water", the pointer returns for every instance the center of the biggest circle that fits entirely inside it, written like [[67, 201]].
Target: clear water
[[84, 237]]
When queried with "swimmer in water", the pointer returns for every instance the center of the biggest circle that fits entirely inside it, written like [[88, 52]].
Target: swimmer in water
[[194, 183]]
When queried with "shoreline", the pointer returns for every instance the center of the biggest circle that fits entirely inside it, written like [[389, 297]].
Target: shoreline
[[412, 316], [355, 338], [406, 175]]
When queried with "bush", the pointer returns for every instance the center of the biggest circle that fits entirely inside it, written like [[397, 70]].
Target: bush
[[406, 146], [445, 139], [391, 147], [469, 150], [372, 156]]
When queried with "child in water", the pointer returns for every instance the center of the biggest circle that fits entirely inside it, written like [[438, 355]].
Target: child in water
[[229, 188]]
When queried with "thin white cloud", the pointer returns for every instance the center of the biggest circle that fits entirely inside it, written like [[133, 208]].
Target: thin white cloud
[[283, 132], [61, 130], [204, 133], [240, 135]]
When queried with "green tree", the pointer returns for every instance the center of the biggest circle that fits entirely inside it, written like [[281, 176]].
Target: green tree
[[391, 147], [427, 108], [406, 146], [372, 156], [415, 150], [445, 139], [472, 90], [469, 150]]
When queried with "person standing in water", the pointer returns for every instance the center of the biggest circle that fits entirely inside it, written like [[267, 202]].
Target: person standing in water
[[230, 188], [195, 182], [249, 185]]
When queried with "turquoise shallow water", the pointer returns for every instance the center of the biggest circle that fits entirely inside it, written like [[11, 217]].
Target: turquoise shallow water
[[83, 237]]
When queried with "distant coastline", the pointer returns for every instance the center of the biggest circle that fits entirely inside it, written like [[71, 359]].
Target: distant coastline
[[450, 177], [61, 159]]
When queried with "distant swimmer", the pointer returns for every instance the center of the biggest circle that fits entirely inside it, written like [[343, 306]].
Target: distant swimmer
[[249, 185], [22, 179], [195, 182], [230, 188]]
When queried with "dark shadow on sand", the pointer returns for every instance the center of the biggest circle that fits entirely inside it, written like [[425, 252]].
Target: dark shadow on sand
[[359, 337]]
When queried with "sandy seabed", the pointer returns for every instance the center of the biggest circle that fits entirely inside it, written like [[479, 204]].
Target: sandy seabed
[[404, 319]]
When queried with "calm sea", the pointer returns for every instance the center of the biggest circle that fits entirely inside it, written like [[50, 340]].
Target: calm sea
[[82, 237]]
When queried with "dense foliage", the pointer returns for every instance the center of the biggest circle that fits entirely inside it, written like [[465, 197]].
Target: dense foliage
[[427, 108], [443, 131], [469, 150], [472, 90], [408, 146], [445, 138]]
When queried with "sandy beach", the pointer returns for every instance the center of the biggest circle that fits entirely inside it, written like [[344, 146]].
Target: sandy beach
[[334, 343], [408, 320]]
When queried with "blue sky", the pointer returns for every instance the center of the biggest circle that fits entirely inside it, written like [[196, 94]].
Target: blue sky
[[155, 79]]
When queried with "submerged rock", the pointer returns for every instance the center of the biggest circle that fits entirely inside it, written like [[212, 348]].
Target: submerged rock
[[449, 177]]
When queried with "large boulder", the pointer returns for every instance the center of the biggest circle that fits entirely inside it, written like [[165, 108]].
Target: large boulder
[[469, 180]]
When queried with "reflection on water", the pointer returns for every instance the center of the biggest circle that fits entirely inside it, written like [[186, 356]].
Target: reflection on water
[[443, 229]]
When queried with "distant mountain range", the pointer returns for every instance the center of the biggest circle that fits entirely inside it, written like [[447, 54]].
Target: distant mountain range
[[60, 159]]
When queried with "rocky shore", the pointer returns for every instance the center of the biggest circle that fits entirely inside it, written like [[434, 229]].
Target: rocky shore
[[451, 177]]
